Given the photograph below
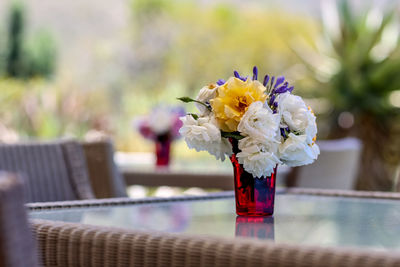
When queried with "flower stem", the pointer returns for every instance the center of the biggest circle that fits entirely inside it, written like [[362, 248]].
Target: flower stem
[[188, 100], [235, 135]]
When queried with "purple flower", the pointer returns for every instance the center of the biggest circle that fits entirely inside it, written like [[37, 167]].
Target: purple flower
[[282, 89], [221, 82], [266, 79], [237, 75], [283, 133], [277, 87], [255, 73], [280, 80], [271, 100], [272, 81]]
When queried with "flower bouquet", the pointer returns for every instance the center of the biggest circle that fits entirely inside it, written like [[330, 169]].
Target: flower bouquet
[[258, 125], [161, 126]]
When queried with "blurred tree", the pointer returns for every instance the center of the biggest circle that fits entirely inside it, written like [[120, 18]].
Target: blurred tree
[[15, 66], [26, 59], [357, 59], [41, 55], [3, 44]]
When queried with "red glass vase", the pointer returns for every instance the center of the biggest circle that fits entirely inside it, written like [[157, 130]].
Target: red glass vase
[[254, 196], [163, 149]]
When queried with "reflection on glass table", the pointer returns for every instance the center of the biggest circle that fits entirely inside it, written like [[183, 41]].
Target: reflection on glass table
[[258, 227], [298, 219]]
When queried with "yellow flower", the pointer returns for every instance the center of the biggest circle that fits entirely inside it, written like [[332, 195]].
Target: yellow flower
[[232, 100]]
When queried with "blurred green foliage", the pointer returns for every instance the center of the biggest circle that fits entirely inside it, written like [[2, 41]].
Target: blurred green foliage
[[26, 59], [41, 55], [357, 62], [176, 47], [37, 108], [193, 44]]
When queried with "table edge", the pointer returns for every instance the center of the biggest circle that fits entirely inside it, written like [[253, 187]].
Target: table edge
[[122, 201], [343, 193], [218, 195]]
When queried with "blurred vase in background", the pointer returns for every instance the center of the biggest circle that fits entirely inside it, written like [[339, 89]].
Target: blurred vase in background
[[161, 126], [163, 149]]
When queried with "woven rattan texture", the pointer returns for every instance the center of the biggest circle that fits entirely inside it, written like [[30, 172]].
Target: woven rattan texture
[[46, 170], [67, 244], [17, 247], [77, 169], [105, 178]]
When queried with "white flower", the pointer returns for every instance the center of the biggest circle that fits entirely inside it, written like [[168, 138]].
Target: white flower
[[259, 122], [160, 120], [225, 148], [205, 95], [296, 151], [203, 135], [257, 158], [202, 129], [297, 116]]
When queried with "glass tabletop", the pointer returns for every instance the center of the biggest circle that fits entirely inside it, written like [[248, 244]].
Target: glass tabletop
[[298, 219]]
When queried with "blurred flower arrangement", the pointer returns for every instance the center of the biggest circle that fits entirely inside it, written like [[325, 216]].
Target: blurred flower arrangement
[[161, 125], [260, 124], [160, 121]]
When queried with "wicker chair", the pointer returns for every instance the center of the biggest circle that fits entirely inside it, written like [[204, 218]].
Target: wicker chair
[[17, 247], [106, 180], [336, 167], [53, 171]]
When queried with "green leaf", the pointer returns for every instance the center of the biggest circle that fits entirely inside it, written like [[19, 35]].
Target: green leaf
[[195, 116], [186, 99], [235, 135], [368, 41]]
